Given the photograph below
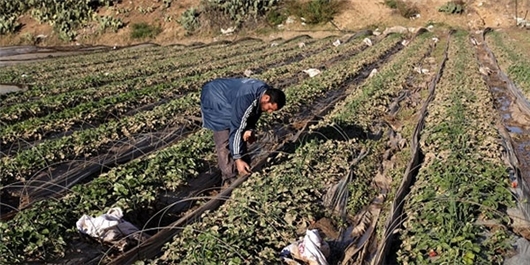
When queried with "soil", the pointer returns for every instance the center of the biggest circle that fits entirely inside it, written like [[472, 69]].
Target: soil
[[355, 15]]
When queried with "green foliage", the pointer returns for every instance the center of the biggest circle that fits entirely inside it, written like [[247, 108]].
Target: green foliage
[[239, 11], [276, 17], [144, 30], [65, 16], [107, 22], [406, 10], [452, 7], [190, 19], [391, 3], [315, 11], [8, 24]]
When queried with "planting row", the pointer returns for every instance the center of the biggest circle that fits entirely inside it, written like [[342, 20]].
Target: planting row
[[445, 215], [512, 58], [87, 142], [125, 60], [138, 70], [165, 170], [109, 108], [253, 227]]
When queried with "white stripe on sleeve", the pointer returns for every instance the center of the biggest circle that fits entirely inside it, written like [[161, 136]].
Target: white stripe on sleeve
[[242, 125]]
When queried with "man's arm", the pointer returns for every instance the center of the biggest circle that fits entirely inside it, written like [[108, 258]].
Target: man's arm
[[242, 108]]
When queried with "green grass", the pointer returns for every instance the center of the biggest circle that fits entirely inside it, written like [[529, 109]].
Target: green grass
[[144, 30]]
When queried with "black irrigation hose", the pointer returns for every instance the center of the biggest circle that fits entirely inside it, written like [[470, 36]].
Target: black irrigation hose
[[395, 216]]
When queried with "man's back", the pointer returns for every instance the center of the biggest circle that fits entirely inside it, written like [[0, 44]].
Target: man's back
[[221, 97]]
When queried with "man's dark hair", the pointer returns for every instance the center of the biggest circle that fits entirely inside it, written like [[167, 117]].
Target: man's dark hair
[[276, 96]]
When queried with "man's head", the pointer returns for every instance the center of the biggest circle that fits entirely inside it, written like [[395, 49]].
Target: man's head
[[272, 100]]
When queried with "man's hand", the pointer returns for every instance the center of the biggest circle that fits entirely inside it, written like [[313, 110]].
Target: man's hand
[[249, 136], [242, 167]]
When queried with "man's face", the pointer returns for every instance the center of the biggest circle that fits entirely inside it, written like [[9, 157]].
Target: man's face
[[269, 107]]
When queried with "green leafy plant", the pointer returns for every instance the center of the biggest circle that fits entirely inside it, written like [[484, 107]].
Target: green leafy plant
[[315, 11], [391, 3], [405, 9], [144, 30], [107, 22], [190, 19], [453, 7], [239, 11], [276, 17]]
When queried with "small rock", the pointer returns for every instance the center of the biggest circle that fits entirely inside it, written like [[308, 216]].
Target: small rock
[[367, 41], [336, 43], [301, 45]]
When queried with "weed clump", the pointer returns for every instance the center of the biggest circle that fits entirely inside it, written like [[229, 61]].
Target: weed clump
[[406, 10], [314, 11], [144, 30], [453, 7]]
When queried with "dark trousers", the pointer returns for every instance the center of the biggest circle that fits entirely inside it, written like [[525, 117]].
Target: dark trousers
[[224, 158]]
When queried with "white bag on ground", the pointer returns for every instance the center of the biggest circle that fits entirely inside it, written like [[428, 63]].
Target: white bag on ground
[[311, 249], [107, 227]]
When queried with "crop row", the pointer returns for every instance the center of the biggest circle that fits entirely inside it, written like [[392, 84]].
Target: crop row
[[88, 142], [96, 77], [512, 59], [53, 103], [367, 109], [82, 64], [170, 56], [259, 224], [114, 107], [142, 180], [460, 146]]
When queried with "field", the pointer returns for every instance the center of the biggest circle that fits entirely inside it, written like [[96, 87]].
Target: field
[[408, 150]]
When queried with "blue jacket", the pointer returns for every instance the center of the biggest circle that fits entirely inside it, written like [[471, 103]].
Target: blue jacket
[[232, 104]]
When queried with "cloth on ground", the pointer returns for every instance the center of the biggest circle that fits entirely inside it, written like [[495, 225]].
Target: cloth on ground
[[110, 228], [311, 250]]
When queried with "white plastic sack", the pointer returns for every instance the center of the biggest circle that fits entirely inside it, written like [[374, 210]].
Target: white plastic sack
[[106, 227], [312, 72], [311, 249]]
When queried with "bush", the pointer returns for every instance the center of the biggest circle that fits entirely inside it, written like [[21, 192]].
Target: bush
[[453, 7], [190, 19], [144, 30], [276, 17], [391, 3], [315, 11], [405, 9], [239, 11]]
